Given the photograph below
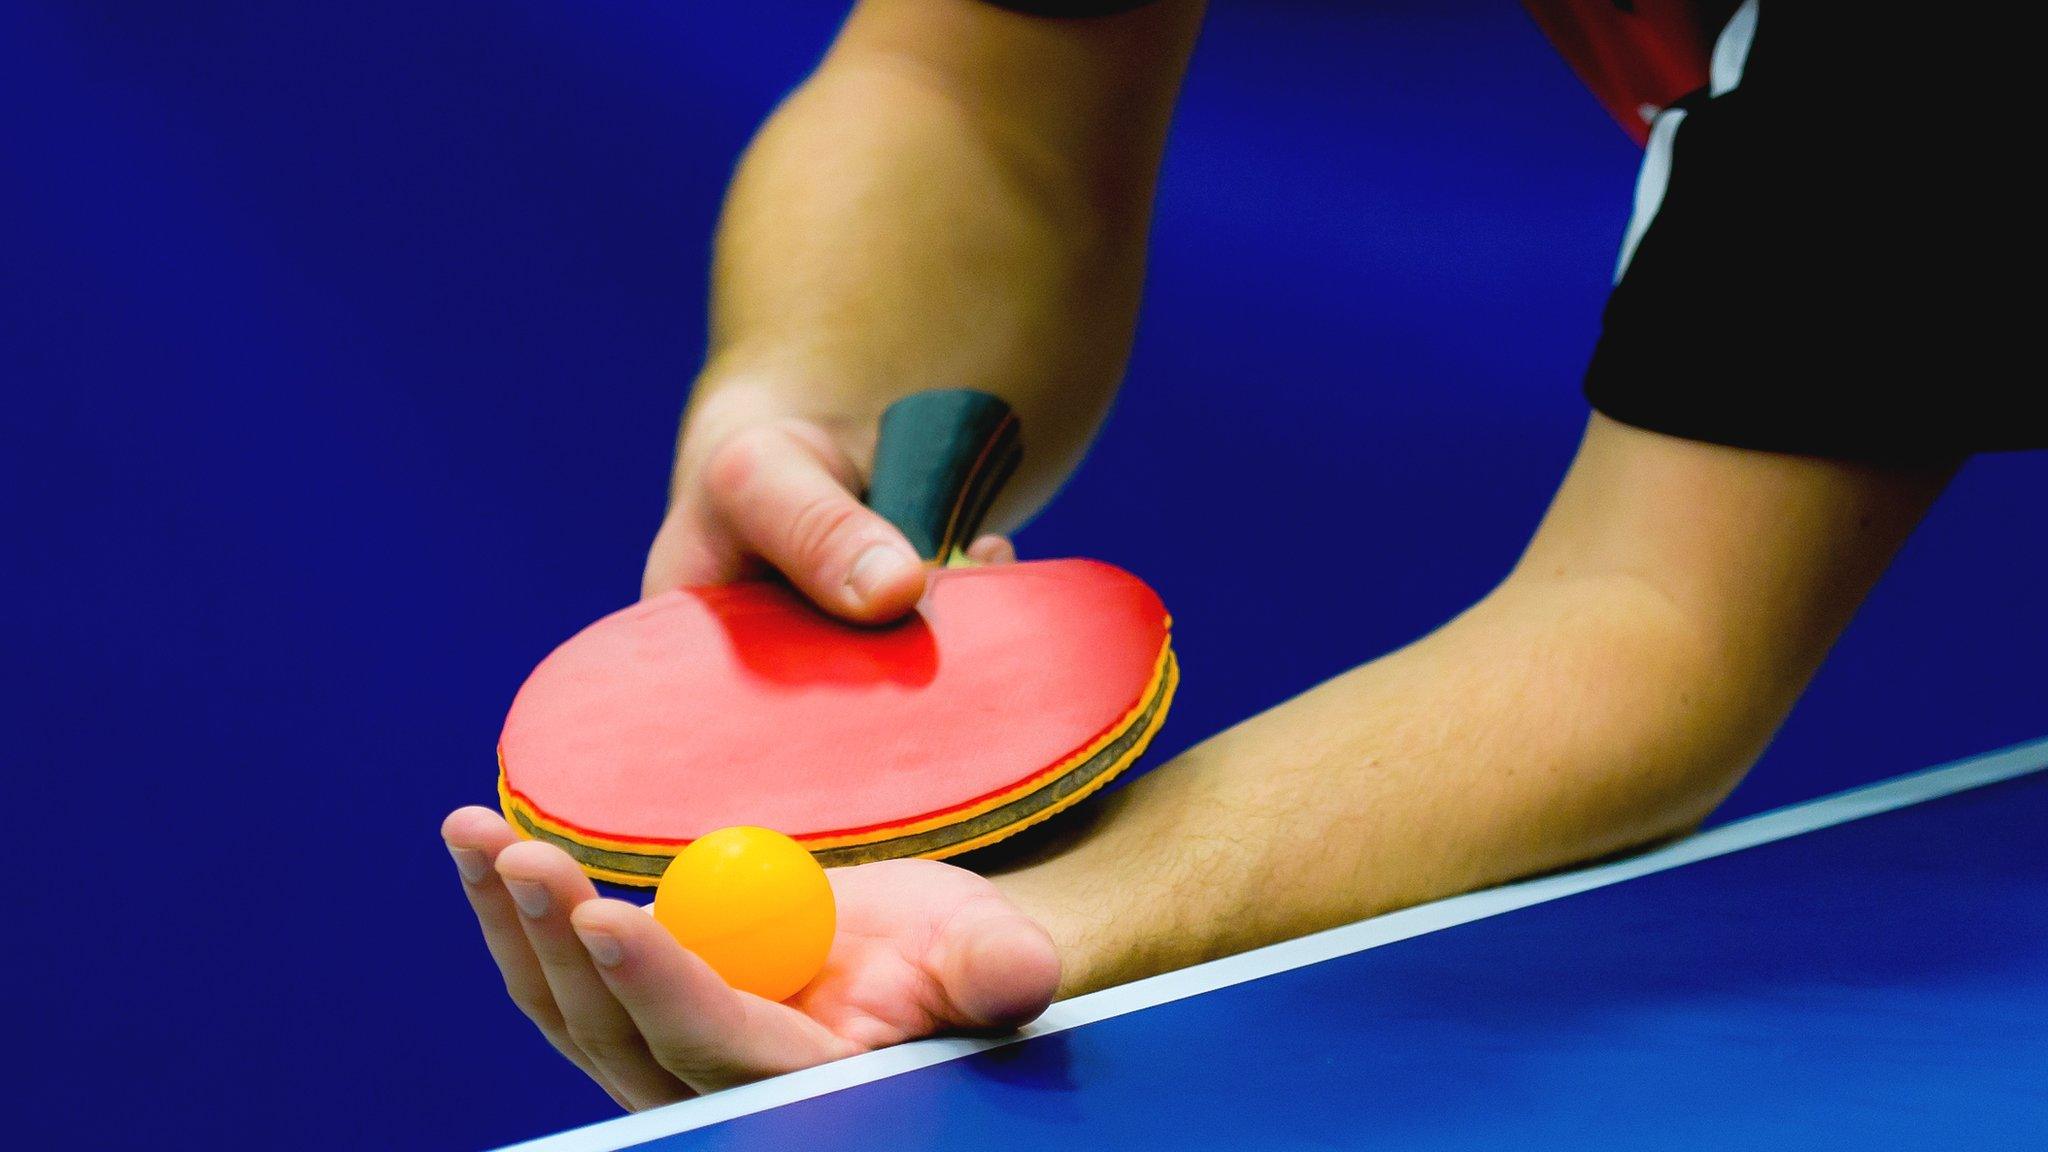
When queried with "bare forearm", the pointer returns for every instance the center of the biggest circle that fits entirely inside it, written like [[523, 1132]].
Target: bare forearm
[[1552, 723], [1665, 618], [921, 214]]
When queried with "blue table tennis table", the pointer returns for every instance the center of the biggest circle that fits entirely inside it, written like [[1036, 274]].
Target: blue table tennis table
[[1867, 970]]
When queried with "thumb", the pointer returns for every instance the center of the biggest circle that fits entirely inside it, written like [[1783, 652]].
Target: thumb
[[996, 966], [787, 491]]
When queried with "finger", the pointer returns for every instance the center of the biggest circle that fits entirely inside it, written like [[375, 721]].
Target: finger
[[992, 550], [701, 1030], [546, 886], [788, 494], [692, 547], [996, 967], [475, 837]]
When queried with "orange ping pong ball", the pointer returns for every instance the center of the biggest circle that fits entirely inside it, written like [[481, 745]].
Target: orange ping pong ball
[[754, 905]]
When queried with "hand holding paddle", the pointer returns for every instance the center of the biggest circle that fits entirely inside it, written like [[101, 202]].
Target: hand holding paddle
[[759, 491], [1010, 694]]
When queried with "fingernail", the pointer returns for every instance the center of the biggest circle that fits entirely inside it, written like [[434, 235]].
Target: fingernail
[[875, 568], [531, 897], [473, 865], [603, 947]]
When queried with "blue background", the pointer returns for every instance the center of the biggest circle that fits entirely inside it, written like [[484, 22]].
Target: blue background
[[342, 347]]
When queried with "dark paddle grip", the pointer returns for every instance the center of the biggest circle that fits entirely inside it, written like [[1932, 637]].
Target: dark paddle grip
[[940, 459]]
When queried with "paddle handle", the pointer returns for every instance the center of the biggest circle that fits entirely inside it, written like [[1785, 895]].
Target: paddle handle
[[940, 459]]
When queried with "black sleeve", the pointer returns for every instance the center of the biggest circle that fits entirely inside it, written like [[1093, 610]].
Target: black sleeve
[[1825, 251]]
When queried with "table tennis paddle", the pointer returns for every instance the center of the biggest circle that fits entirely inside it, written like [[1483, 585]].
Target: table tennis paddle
[[1011, 693]]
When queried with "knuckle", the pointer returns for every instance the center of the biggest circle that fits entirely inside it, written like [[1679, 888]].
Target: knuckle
[[574, 1055], [691, 1065], [536, 1003], [817, 524], [733, 463], [607, 1048]]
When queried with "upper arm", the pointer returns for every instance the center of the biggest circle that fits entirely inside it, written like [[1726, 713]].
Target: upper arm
[[1096, 92], [1761, 557]]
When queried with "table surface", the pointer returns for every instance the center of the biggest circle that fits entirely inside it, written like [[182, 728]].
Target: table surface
[[1865, 970]]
